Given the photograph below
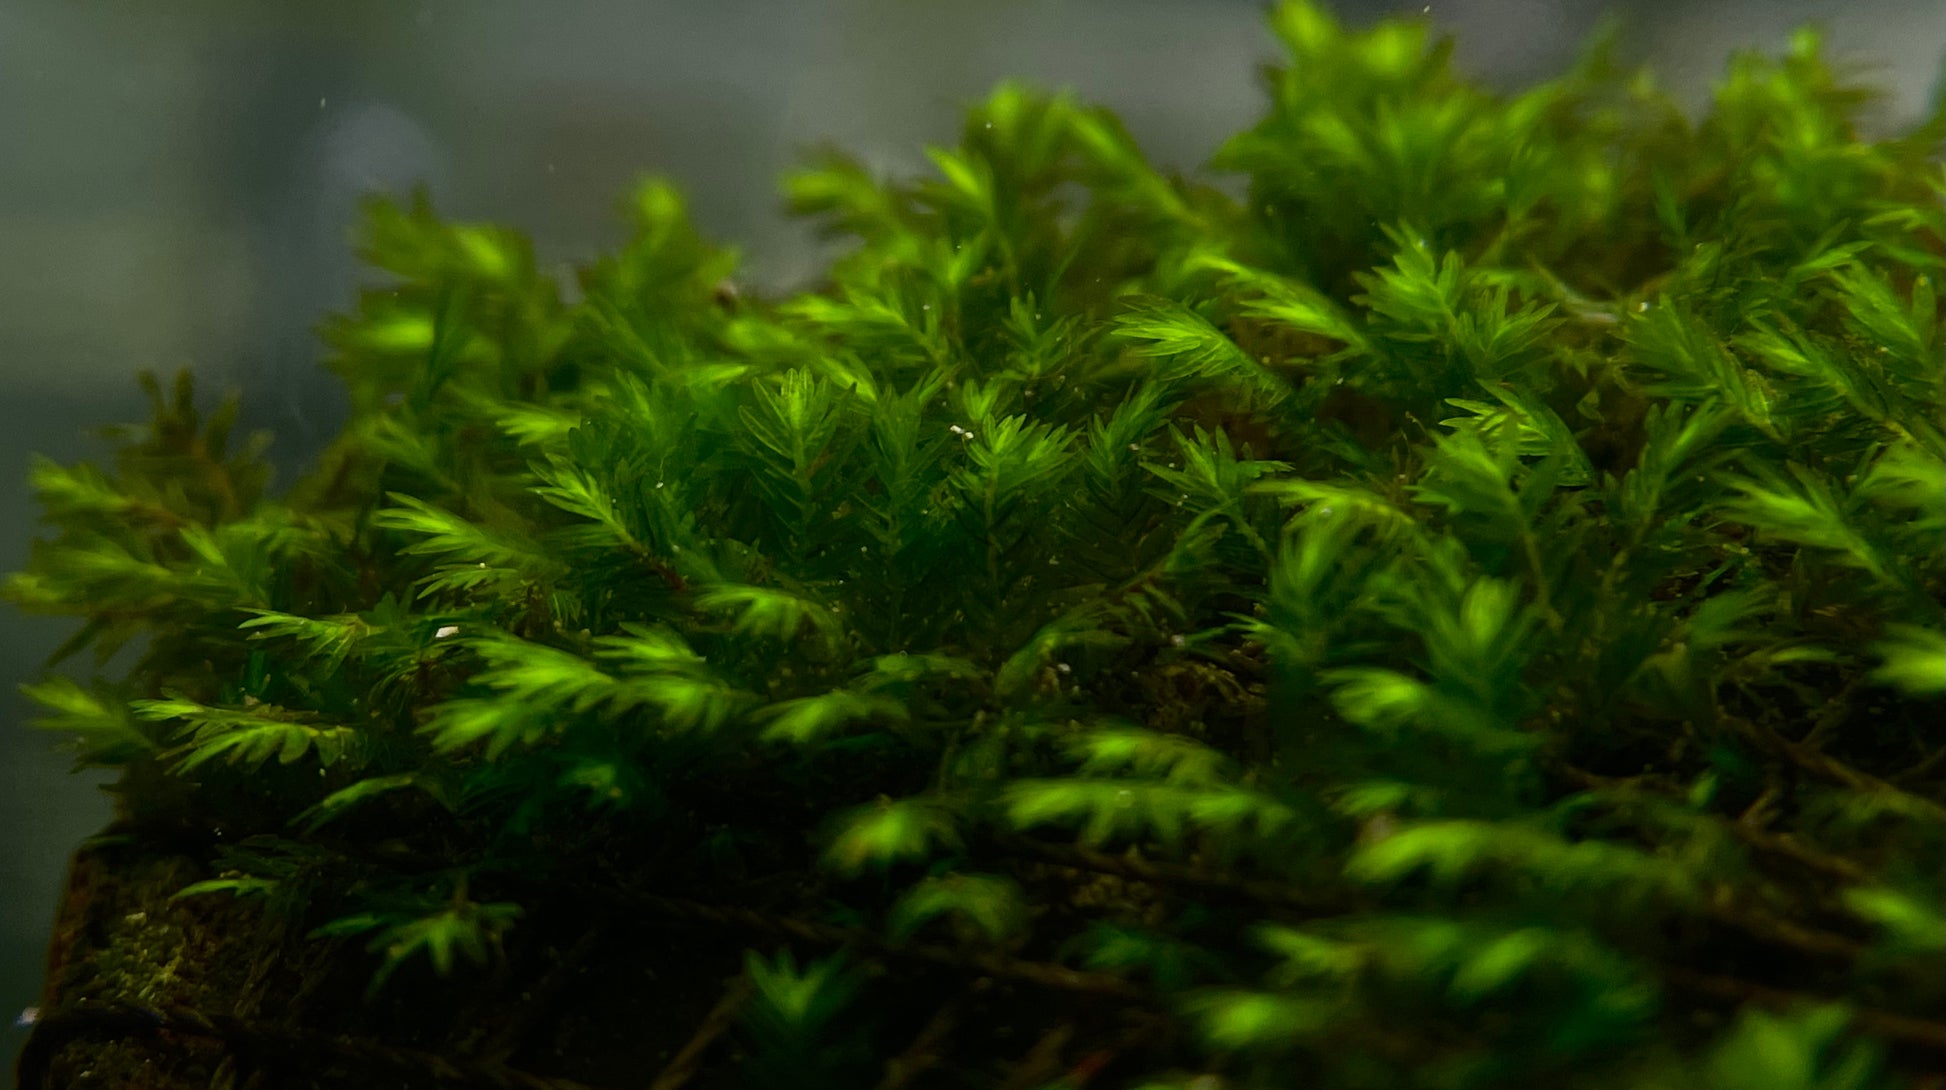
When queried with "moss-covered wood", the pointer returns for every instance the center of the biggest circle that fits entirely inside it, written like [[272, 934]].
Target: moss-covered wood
[[1468, 614]]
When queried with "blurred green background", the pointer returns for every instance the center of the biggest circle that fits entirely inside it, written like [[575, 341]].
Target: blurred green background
[[177, 183]]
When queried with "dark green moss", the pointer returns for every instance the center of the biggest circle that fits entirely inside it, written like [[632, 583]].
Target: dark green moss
[[1467, 615]]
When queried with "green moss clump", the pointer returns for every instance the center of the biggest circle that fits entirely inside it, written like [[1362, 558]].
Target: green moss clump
[[1463, 616]]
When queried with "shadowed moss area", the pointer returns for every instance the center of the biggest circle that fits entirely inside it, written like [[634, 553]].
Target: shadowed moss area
[[1470, 614]]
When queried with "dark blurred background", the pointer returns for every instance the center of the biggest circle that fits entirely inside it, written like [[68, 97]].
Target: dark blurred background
[[177, 183]]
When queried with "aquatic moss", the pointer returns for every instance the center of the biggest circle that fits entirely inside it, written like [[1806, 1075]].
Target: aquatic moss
[[1463, 615]]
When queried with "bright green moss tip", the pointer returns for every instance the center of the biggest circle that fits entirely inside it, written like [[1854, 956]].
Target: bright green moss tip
[[1492, 578]]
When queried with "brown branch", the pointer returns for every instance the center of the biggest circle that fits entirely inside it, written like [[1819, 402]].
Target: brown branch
[[1281, 894], [1723, 907], [1832, 714], [538, 1000], [1781, 845], [923, 1052], [1904, 1028], [1042, 974], [1744, 918], [1925, 765], [1042, 1063], [685, 1063], [1829, 769], [1142, 1032]]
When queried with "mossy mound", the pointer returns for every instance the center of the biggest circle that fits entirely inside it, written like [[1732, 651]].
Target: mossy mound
[[1470, 614]]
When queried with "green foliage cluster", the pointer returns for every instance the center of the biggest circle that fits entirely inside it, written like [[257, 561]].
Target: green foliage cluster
[[1506, 543]]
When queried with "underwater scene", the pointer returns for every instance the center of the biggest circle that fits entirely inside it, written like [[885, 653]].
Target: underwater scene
[[1039, 545]]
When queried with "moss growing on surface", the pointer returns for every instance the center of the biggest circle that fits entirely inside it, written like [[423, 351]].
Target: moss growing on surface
[[1467, 615]]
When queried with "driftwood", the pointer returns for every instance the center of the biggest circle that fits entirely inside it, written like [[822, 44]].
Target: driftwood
[[148, 991]]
